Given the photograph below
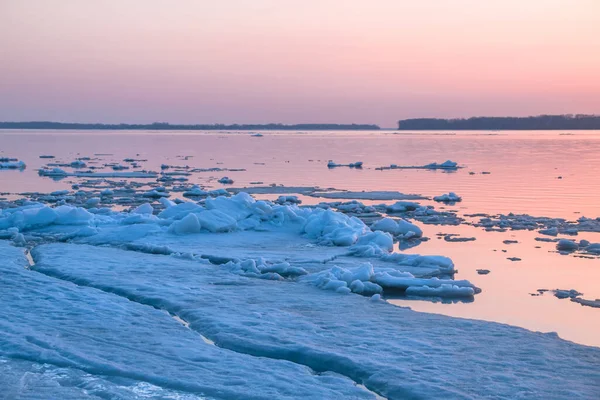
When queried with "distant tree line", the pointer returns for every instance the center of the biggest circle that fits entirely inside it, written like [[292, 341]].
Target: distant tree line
[[170, 127], [541, 122]]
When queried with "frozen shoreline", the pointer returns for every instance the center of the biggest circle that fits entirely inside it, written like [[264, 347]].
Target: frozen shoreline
[[273, 286]]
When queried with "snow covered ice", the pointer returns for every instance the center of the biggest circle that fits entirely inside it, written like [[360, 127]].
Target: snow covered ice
[[272, 300]]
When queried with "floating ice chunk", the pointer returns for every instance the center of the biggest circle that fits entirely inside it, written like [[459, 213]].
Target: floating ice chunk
[[550, 231], [332, 164], [107, 192], [450, 237], [395, 281], [593, 248], [188, 224], [55, 172], [564, 294], [399, 227], [93, 201], [78, 164], [566, 245], [588, 303], [448, 164], [448, 198], [406, 228], [12, 165], [226, 180], [402, 206], [156, 194], [330, 227], [288, 200], [195, 191], [386, 225], [143, 209], [444, 290]]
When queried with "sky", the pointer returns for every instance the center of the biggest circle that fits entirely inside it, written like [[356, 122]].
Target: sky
[[288, 61]]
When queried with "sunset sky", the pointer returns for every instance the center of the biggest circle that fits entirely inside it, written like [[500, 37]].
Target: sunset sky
[[258, 61]]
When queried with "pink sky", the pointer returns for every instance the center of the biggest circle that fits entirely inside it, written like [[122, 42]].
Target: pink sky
[[256, 61]]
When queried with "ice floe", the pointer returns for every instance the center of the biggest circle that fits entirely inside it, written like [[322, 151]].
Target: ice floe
[[275, 327], [448, 198], [11, 163], [446, 165], [332, 164]]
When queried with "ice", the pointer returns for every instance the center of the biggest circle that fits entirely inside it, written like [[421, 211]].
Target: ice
[[550, 231], [588, 303], [195, 191], [566, 245], [216, 221], [374, 195], [444, 290], [332, 164], [402, 206], [545, 225], [448, 198], [12, 164], [565, 294], [226, 180], [446, 165], [269, 332], [60, 173], [334, 228], [188, 224], [397, 227], [66, 341], [78, 164], [288, 200]]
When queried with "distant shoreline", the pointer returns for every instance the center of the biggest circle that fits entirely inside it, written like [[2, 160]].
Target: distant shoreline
[[541, 122], [182, 127]]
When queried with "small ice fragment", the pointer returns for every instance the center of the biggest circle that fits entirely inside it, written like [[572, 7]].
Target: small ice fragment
[[566, 245]]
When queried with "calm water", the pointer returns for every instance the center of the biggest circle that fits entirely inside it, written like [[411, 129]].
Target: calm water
[[524, 168]]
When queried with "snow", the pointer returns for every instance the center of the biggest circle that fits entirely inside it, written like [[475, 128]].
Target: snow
[[275, 338]]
